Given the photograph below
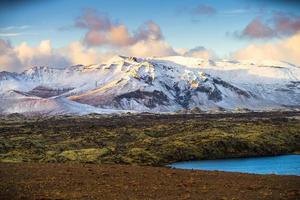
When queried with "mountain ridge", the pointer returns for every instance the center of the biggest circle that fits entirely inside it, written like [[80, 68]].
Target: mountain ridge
[[167, 84]]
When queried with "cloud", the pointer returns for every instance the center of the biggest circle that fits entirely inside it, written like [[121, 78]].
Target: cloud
[[9, 34], [286, 24], [101, 30], [200, 9], [13, 31], [279, 25], [14, 28], [149, 48], [200, 52], [237, 11], [92, 20], [103, 39], [286, 50], [23, 56], [43, 54], [8, 58], [203, 9], [77, 53], [257, 29]]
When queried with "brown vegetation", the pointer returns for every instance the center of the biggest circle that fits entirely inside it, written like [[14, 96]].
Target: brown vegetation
[[90, 181]]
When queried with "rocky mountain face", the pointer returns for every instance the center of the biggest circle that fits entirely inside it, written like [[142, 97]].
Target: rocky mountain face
[[168, 84]]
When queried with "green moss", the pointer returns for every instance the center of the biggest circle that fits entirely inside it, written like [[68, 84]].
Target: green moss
[[13, 156], [17, 138], [178, 150], [141, 156], [84, 155], [144, 140]]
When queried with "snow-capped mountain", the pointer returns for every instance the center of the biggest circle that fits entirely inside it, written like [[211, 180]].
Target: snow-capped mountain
[[164, 84]]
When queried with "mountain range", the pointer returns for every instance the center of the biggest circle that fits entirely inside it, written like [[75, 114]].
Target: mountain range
[[167, 84]]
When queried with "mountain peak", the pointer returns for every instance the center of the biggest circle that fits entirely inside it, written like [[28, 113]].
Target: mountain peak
[[164, 84], [121, 58]]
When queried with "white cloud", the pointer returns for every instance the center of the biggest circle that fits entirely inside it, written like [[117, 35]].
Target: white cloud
[[8, 58], [150, 48], [10, 34], [24, 56], [13, 31], [286, 50], [200, 52], [43, 54], [77, 53]]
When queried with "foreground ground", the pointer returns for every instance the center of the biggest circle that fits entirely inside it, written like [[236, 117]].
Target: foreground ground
[[47, 157], [93, 181]]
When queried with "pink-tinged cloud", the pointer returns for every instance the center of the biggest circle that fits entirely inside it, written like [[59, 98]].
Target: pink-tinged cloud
[[150, 48], [77, 53], [148, 31], [200, 52], [92, 20], [279, 25], [257, 29], [286, 24], [23, 56], [94, 38], [286, 50], [203, 9], [101, 30], [8, 58]]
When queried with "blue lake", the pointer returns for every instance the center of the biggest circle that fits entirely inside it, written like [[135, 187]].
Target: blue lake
[[284, 165]]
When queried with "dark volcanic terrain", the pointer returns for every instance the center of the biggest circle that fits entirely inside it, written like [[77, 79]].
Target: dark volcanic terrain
[[51, 157], [147, 139], [88, 181]]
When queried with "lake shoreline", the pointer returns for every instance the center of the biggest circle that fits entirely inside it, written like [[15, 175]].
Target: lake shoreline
[[277, 165]]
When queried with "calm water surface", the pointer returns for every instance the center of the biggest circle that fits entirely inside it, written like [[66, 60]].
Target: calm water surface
[[285, 165]]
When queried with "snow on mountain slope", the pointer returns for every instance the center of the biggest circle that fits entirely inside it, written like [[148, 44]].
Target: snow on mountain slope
[[152, 84], [18, 102], [241, 72]]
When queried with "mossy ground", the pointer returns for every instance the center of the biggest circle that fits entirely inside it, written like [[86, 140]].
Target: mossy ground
[[147, 139]]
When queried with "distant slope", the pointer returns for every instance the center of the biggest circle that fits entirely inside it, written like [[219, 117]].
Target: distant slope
[[17, 102]]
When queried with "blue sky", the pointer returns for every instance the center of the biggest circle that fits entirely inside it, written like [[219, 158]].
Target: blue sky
[[181, 24], [180, 27]]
